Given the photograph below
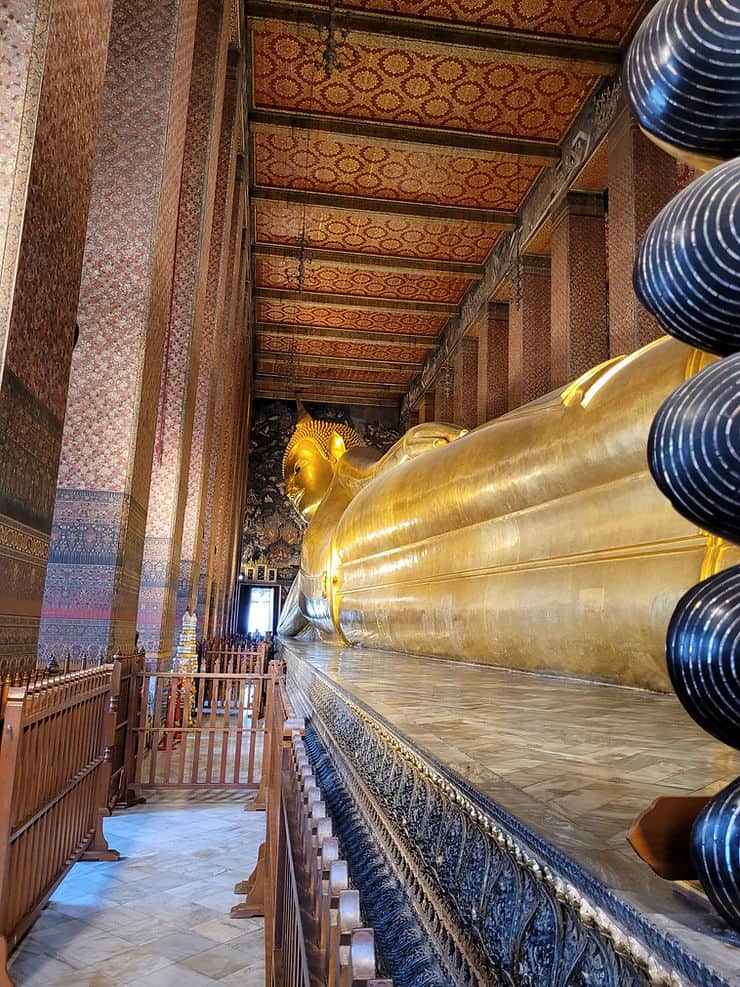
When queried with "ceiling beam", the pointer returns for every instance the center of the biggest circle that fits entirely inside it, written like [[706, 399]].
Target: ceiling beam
[[353, 301], [544, 153], [497, 218], [361, 385], [351, 363], [375, 261], [588, 130], [594, 56], [347, 335], [275, 392]]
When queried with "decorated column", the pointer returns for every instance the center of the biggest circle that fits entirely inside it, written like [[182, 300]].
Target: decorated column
[[211, 368], [465, 399], [579, 307], [160, 567], [54, 65], [529, 330], [642, 179], [493, 362], [92, 583]]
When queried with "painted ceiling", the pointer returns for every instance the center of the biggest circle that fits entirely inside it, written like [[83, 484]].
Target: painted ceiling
[[381, 180]]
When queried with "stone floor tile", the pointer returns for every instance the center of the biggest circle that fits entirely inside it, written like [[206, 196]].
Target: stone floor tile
[[136, 921], [222, 960]]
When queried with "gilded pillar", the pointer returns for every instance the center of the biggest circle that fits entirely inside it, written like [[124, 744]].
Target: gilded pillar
[[210, 367], [92, 582], [529, 330], [642, 179], [160, 567], [579, 305], [54, 65]]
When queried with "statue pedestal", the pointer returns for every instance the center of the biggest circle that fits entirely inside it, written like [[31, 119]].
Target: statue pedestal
[[494, 806]]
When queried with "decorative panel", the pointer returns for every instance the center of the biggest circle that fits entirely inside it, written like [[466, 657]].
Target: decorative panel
[[412, 173], [373, 233], [356, 319], [282, 272], [605, 20], [330, 348], [419, 83], [345, 375]]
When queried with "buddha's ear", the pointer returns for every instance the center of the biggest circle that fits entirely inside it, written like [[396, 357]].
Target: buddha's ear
[[337, 448]]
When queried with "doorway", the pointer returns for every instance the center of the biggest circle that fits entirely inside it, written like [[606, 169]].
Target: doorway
[[259, 609]]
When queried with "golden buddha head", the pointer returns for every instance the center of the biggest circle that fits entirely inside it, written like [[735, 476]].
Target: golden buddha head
[[311, 458]]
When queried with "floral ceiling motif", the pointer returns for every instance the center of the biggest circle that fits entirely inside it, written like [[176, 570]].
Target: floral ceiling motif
[[283, 272], [419, 83], [352, 319], [596, 20], [412, 173], [373, 233]]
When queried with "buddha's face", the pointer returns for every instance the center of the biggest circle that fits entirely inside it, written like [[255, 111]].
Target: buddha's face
[[308, 474]]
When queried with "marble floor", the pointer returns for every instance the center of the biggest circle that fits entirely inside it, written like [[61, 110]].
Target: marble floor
[[576, 762], [159, 916]]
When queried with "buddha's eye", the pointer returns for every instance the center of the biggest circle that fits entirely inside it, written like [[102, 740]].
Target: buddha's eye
[[297, 469]]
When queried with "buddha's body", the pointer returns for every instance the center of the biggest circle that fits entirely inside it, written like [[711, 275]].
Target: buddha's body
[[537, 541]]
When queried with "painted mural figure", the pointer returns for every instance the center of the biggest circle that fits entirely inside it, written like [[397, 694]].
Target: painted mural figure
[[536, 541]]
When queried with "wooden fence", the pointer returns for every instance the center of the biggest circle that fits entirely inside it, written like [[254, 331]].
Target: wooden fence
[[196, 729], [313, 924], [55, 770]]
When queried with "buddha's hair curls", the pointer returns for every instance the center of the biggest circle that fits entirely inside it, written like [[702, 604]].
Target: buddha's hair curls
[[319, 432]]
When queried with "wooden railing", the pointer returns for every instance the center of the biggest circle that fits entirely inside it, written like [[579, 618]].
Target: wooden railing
[[196, 729], [313, 927], [55, 770]]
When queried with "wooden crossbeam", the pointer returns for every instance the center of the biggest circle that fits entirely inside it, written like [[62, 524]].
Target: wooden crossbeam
[[348, 335], [351, 363], [377, 262], [498, 218], [354, 301], [362, 385], [289, 392], [517, 148], [594, 56]]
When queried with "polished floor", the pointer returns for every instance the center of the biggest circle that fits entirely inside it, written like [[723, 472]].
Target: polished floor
[[158, 917], [574, 761]]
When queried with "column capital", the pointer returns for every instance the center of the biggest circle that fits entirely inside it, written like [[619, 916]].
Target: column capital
[[498, 311], [579, 204]]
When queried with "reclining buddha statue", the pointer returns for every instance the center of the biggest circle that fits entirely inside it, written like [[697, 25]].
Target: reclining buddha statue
[[536, 541]]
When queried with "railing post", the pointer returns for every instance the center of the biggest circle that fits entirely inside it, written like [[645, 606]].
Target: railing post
[[259, 802], [99, 849], [9, 751], [128, 793]]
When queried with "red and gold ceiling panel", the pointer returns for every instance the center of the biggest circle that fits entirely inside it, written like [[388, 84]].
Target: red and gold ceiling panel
[[595, 20], [330, 372], [373, 233], [339, 349], [353, 319], [414, 173], [283, 272], [418, 83]]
